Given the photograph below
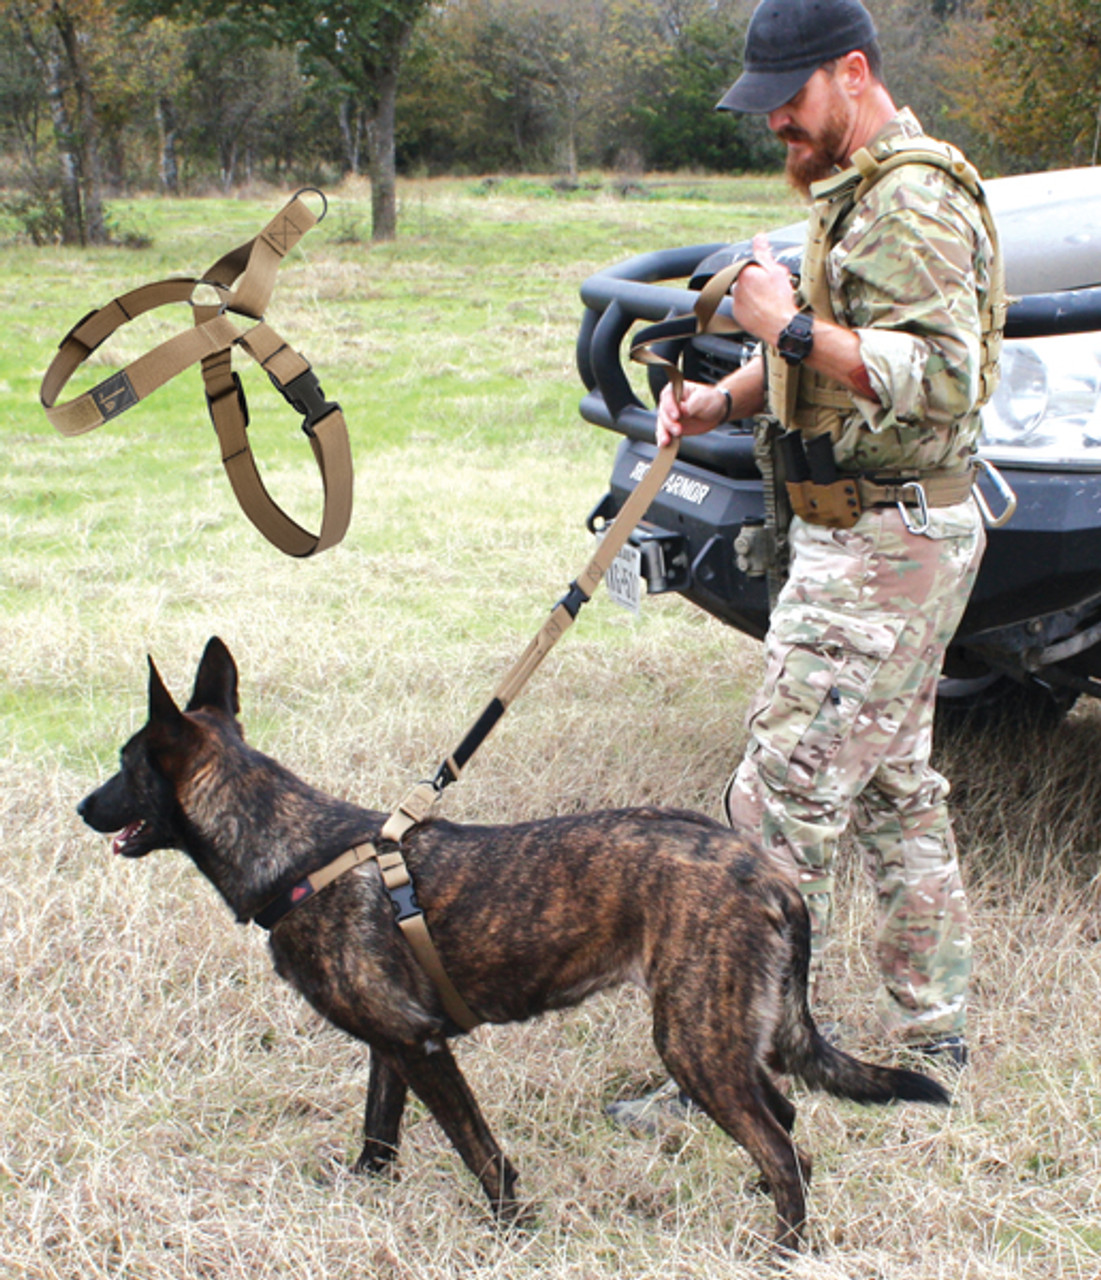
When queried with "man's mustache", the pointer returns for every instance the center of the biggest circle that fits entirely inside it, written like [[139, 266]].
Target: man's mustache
[[792, 133]]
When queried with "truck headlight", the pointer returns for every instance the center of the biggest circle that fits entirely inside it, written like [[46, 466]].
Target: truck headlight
[[1046, 411]]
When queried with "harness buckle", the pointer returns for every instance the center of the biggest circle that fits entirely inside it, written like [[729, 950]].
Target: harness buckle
[[403, 899], [305, 395], [920, 524]]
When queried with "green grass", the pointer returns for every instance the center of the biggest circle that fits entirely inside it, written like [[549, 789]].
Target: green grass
[[170, 1109]]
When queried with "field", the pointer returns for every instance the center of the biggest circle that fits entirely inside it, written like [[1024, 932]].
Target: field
[[171, 1111]]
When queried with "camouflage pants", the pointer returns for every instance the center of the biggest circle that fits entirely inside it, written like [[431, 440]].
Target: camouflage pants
[[841, 734]]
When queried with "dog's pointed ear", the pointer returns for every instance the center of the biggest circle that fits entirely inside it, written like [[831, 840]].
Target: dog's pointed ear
[[216, 680], [162, 708]]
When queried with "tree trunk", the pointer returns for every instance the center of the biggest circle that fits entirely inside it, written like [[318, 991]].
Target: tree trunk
[[351, 130], [95, 226], [381, 162], [167, 128], [72, 207], [46, 57], [227, 152]]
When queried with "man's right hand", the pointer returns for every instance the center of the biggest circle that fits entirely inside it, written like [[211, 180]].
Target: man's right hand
[[701, 409]]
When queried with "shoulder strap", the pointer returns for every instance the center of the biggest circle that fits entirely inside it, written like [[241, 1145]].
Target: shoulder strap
[[835, 197], [952, 161]]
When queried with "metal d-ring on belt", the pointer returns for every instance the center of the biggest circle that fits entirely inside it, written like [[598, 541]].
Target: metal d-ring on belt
[[243, 280]]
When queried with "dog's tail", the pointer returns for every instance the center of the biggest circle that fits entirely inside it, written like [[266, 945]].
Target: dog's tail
[[801, 1050]]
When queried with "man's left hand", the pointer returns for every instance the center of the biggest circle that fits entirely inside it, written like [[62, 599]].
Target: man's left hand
[[762, 297]]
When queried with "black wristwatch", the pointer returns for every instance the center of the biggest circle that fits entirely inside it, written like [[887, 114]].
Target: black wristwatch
[[797, 338]]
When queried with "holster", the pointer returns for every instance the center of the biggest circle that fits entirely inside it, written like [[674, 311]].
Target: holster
[[816, 490]]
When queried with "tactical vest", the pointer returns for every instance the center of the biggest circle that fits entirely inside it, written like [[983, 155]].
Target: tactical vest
[[800, 397]]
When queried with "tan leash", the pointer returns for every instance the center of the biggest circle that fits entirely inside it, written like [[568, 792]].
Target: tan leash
[[417, 804], [243, 280], [705, 317]]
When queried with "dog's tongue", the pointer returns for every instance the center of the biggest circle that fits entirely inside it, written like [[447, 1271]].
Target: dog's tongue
[[125, 836]]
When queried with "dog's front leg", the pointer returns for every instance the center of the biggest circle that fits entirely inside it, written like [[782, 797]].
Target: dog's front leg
[[386, 1094], [436, 1079]]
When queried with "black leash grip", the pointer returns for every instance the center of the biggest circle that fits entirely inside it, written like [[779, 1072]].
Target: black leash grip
[[477, 734]]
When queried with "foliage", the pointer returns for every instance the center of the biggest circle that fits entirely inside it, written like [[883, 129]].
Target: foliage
[[1029, 75], [36, 210], [530, 84], [183, 94], [360, 43], [675, 85], [63, 45]]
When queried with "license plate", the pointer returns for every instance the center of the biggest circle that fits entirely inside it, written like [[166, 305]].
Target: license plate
[[624, 578]]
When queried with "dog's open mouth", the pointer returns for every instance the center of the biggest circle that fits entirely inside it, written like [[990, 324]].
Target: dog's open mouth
[[133, 840]]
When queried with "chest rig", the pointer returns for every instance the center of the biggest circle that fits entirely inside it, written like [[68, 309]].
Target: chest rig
[[812, 408]]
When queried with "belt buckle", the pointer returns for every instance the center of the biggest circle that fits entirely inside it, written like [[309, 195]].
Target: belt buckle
[[921, 523]]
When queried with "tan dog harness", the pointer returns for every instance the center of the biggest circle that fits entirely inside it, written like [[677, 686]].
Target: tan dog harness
[[243, 280]]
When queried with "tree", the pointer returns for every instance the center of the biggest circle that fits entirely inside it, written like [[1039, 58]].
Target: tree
[[361, 43], [676, 59], [1030, 76], [60, 37]]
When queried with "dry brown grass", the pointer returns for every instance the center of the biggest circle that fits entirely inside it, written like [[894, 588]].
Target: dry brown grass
[[171, 1111]]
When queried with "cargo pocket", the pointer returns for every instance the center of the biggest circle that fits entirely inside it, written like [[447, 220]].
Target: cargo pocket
[[814, 691]]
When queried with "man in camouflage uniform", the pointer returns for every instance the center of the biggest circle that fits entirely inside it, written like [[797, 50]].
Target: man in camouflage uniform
[[893, 362]]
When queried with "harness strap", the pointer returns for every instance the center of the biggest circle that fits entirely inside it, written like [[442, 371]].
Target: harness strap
[[245, 277], [411, 921], [144, 375], [407, 914], [705, 318], [253, 266]]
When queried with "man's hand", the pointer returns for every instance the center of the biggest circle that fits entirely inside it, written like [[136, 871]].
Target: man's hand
[[762, 297], [702, 409]]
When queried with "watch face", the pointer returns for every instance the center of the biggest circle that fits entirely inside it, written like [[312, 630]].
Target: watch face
[[797, 338]]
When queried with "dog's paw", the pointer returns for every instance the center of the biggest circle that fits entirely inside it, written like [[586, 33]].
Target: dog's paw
[[377, 1159], [515, 1215]]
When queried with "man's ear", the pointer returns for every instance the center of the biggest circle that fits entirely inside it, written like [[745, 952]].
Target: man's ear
[[854, 73]]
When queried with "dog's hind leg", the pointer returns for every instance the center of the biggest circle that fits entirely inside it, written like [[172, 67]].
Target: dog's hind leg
[[739, 1104], [722, 1075], [436, 1079], [784, 1112], [386, 1094]]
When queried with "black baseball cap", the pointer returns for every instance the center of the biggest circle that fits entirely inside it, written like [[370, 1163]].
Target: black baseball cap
[[786, 42]]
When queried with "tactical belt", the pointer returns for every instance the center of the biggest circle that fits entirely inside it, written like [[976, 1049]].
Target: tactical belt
[[242, 280], [417, 803], [840, 503]]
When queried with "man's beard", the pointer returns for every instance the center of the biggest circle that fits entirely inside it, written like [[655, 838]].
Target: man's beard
[[827, 151]]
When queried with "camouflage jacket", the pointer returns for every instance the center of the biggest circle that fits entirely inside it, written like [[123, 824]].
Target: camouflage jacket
[[910, 271]]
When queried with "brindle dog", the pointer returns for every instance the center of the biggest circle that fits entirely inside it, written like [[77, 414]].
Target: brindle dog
[[526, 918]]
